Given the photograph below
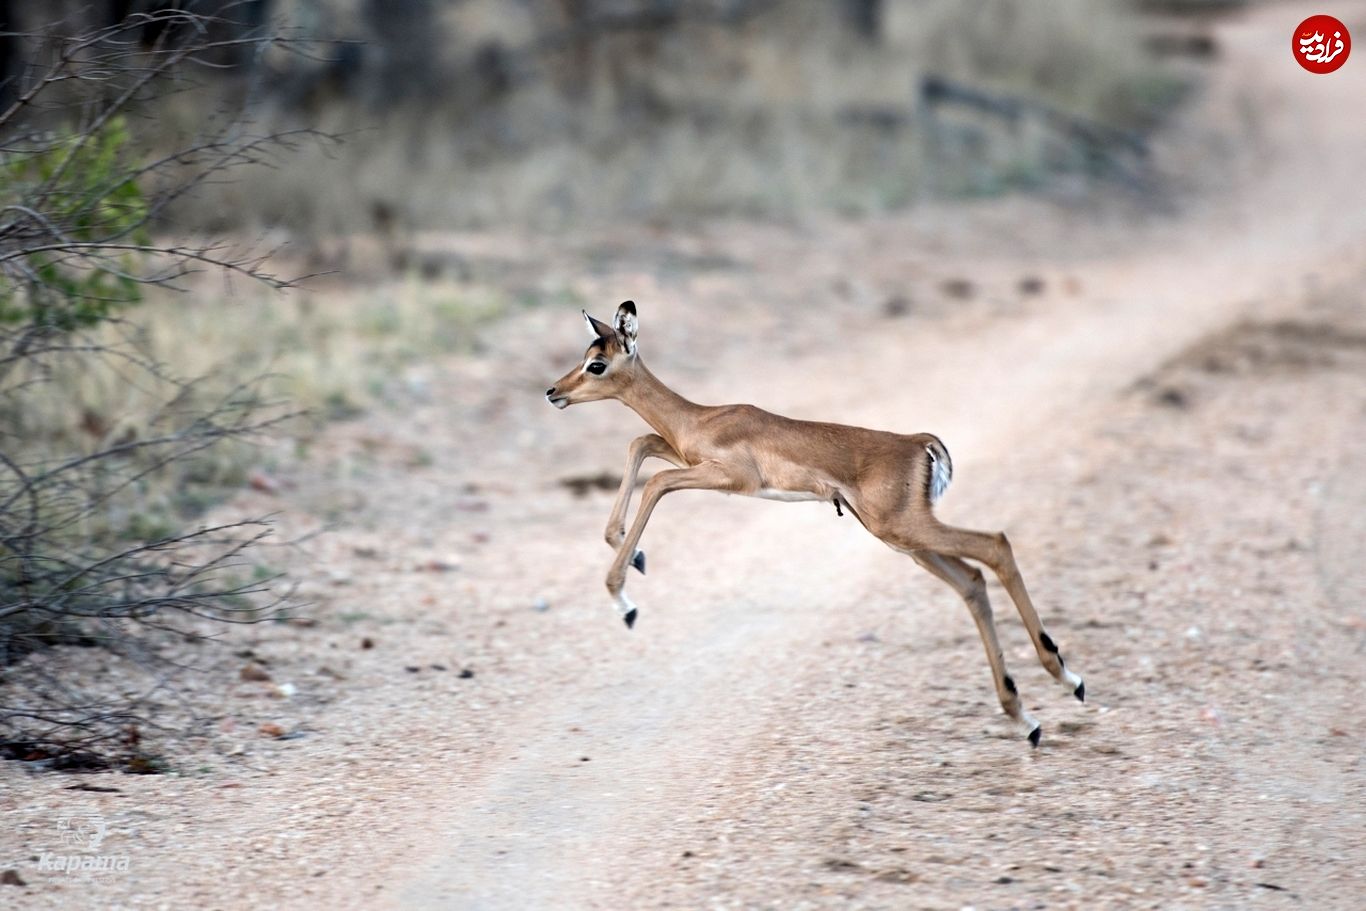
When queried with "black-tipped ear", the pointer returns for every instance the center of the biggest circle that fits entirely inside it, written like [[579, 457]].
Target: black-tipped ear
[[596, 327], [627, 325]]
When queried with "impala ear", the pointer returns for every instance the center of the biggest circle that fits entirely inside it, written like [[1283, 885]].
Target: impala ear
[[596, 327], [627, 326]]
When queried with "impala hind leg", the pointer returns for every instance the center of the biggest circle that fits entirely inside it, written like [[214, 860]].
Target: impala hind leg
[[994, 551], [972, 588]]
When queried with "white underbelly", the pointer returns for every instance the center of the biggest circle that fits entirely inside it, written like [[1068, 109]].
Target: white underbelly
[[786, 496]]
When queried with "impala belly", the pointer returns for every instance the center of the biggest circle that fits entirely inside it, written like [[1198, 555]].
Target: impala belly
[[793, 484], [786, 496]]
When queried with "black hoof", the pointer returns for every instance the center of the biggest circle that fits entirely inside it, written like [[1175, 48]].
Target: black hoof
[[630, 618], [1080, 692], [638, 561], [1034, 736]]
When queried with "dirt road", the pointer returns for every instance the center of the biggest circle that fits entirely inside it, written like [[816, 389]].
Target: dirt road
[[802, 718]]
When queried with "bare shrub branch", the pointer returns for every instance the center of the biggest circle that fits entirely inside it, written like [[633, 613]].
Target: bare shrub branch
[[87, 558]]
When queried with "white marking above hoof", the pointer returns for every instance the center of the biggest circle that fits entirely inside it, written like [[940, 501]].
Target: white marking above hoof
[[624, 604], [1029, 726], [1032, 728]]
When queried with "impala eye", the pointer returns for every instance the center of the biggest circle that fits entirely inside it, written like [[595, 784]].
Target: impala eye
[[597, 368]]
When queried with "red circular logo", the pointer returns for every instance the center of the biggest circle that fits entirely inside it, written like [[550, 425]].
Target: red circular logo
[[1321, 44]]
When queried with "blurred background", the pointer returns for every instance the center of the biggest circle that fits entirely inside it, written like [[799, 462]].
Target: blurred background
[[283, 509], [473, 113]]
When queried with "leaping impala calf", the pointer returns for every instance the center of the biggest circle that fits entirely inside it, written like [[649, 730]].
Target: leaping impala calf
[[888, 481]]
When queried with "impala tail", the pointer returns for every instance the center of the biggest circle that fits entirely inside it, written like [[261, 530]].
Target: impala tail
[[941, 468]]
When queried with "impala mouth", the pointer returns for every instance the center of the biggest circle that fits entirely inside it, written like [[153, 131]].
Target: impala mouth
[[559, 401]]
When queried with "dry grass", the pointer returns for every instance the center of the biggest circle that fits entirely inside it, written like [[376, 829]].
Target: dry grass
[[331, 352], [327, 348], [328, 353]]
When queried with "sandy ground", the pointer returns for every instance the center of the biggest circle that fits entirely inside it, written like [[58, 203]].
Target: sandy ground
[[1172, 429]]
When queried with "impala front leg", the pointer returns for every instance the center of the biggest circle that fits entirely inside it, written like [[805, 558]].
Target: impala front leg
[[707, 476], [642, 448]]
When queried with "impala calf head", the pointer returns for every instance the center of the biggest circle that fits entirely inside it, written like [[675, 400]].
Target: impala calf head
[[608, 365]]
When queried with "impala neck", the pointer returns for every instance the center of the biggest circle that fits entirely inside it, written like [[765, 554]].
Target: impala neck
[[662, 408]]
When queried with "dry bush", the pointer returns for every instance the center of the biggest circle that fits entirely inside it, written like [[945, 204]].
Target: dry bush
[[107, 455]]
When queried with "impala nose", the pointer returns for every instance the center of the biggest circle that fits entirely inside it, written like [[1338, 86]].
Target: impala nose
[[550, 391]]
